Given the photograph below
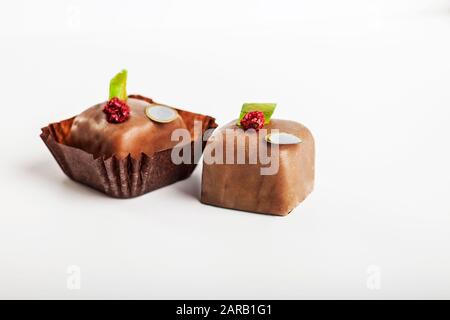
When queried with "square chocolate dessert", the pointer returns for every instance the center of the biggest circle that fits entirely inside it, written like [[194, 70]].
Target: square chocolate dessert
[[123, 146], [259, 165]]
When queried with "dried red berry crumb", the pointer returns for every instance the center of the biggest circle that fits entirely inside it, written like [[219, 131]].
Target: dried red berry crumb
[[253, 120], [116, 110]]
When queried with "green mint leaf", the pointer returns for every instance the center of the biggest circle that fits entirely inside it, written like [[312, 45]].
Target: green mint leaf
[[118, 86]]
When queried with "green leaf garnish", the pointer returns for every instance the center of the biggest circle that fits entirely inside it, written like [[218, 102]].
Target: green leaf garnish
[[118, 86], [266, 108]]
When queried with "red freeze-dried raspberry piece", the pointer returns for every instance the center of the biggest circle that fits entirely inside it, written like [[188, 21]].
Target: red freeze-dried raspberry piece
[[116, 110], [253, 120]]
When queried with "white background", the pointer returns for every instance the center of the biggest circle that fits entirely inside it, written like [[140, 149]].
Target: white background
[[371, 79]]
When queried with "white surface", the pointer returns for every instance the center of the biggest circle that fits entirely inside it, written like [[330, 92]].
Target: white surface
[[371, 79]]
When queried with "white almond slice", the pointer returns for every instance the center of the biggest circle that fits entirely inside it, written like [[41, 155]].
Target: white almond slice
[[282, 138], [160, 113]]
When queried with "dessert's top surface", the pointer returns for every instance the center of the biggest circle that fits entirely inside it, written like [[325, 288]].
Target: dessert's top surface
[[275, 125], [138, 134], [232, 134], [282, 125], [255, 123]]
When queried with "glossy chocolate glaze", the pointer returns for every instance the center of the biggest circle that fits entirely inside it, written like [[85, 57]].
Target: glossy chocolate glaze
[[92, 133], [242, 187]]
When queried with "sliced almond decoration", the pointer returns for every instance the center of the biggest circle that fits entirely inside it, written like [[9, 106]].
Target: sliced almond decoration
[[282, 138], [161, 113]]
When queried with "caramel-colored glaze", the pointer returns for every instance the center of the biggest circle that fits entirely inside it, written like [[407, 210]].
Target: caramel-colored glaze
[[242, 187], [92, 133]]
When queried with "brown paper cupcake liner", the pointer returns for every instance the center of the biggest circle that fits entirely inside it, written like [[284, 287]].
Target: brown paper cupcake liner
[[122, 178]]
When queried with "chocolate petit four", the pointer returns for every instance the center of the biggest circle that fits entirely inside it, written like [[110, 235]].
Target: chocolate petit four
[[257, 164], [123, 146]]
